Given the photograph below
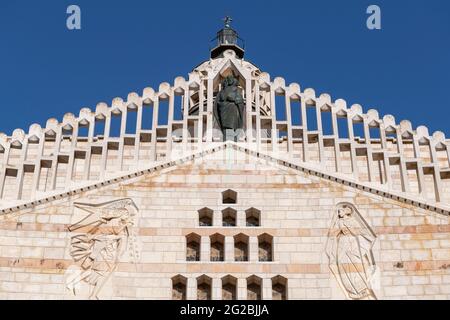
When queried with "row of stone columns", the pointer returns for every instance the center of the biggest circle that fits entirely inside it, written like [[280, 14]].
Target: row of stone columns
[[320, 104], [257, 92]]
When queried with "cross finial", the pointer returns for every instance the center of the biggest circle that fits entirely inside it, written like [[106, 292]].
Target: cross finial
[[227, 20]]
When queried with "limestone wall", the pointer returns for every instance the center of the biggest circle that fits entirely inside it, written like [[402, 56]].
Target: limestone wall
[[411, 250]]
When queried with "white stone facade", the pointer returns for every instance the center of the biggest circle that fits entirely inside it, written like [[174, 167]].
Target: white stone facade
[[146, 180]]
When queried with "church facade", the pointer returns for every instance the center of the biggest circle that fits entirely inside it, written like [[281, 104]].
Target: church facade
[[148, 198]]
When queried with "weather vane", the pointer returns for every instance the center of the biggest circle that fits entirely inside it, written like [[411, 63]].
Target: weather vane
[[227, 20]]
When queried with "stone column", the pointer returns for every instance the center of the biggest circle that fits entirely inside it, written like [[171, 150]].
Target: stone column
[[337, 152], [185, 117], [253, 249], [209, 109], [137, 137], [387, 166], [205, 248], [200, 117], [403, 170], [275, 255], [88, 158], [104, 146], [229, 249], [351, 137], [369, 150], [216, 289], [3, 173], [258, 117], [20, 170], [191, 289], [287, 102], [266, 288], [273, 111], [248, 111], [305, 129], [320, 132], [123, 128], [170, 120], [240, 219], [242, 289], [154, 125], [70, 166], [37, 167], [217, 218]]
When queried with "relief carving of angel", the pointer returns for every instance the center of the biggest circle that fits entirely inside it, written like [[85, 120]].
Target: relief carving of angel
[[105, 234]]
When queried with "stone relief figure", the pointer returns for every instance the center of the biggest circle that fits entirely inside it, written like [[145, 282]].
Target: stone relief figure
[[349, 250], [105, 234], [229, 108]]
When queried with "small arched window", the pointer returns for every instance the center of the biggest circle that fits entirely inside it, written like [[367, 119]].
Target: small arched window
[[253, 217], [279, 288], [229, 197], [254, 291], [179, 288], [241, 247], [229, 217], [193, 247], [265, 245], [204, 288], [205, 217], [229, 288], [217, 247]]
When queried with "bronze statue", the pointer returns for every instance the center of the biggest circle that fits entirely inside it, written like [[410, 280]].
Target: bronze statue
[[229, 108]]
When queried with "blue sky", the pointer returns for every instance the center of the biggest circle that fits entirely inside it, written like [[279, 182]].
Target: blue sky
[[47, 70]]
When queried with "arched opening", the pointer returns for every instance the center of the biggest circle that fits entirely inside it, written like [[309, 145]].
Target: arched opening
[[229, 217], [254, 288], [163, 110], [193, 247], [280, 105], [147, 116], [311, 115], [99, 127], [358, 127], [217, 247], [253, 217], [204, 288], [374, 135], [342, 123], [83, 130], [241, 247], [178, 106], [205, 217], [229, 197], [296, 110], [179, 288], [115, 124], [265, 242], [229, 288], [279, 288], [131, 121]]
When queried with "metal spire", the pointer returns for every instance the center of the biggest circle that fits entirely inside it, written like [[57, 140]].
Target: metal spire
[[227, 20]]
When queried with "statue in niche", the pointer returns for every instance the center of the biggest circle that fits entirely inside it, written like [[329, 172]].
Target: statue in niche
[[349, 250], [106, 234], [229, 109]]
